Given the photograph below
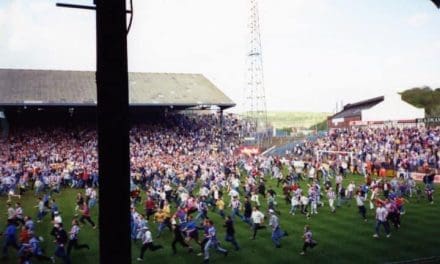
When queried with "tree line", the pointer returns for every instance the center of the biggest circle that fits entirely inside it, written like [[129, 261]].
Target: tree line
[[425, 97]]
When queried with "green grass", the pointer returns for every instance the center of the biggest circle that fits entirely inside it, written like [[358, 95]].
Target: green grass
[[343, 237], [295, 119]]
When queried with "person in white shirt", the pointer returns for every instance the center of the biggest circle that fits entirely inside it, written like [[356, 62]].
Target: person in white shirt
[[257, 221], [11, 213], [147, 243], [294, 202], [304, 204], [311, 173], [350, 190], [361, 206], [255, 198], [57, 218], [277, 232], [73, 238], [88, 193], [19, 214], [93, 198], [11, 194], [331, 196], [236, 207], [338, 181], [233, 193], [381, 219]]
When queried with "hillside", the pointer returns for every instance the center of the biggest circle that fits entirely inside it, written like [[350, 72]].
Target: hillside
[[295, 119]]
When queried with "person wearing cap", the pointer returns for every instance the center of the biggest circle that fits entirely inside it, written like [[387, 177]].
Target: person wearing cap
[[277, 233], [73, 238], [147, 243]]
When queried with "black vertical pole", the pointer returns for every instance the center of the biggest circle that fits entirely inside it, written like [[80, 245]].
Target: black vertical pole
[[221, 131], [113, 128], [4, 125]]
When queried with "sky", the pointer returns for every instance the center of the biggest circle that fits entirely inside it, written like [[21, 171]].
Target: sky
[[315, 53]]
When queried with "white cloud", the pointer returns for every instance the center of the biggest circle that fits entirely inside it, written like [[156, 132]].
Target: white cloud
[[315, 53], [418, 20], [41, 35]]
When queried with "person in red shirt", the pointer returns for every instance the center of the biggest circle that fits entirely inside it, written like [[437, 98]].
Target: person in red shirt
[[85, 215], [150, 207], [400, 201], [24, 235], [382, 172]]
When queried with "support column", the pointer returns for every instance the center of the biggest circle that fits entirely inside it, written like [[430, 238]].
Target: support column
[[4, 125], [221, 131], [113, 129]]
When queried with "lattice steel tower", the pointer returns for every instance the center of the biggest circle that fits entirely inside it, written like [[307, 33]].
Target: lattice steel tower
[[254, 94]]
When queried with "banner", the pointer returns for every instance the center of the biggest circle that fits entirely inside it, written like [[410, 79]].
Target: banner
[[419, 177], [250, 150], [429, 120]]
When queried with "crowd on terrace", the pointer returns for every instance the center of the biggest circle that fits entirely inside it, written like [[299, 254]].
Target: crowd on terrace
[[58, 155], [372, 149]]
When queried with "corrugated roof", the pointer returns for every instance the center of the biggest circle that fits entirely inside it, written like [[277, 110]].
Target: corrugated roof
[[53, 87], [355, 109]]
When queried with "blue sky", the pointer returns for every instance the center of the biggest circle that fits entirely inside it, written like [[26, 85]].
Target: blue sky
[[315, 53]]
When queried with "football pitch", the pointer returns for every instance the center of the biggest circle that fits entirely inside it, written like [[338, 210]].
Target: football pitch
[[343, 237]]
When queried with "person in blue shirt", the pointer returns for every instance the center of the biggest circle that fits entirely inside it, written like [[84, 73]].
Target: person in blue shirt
[[29, 223], [202, 209], [36, 249], [10, 238], [212, 242], [53, 208], [191, 231]]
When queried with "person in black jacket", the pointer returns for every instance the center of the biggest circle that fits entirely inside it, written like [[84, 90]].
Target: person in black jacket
[[247, 211], [230, 232], [61, 239], [178, 238]]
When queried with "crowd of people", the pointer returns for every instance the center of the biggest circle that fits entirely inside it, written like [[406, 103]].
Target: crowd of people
[[371, 150], [179, 177]]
